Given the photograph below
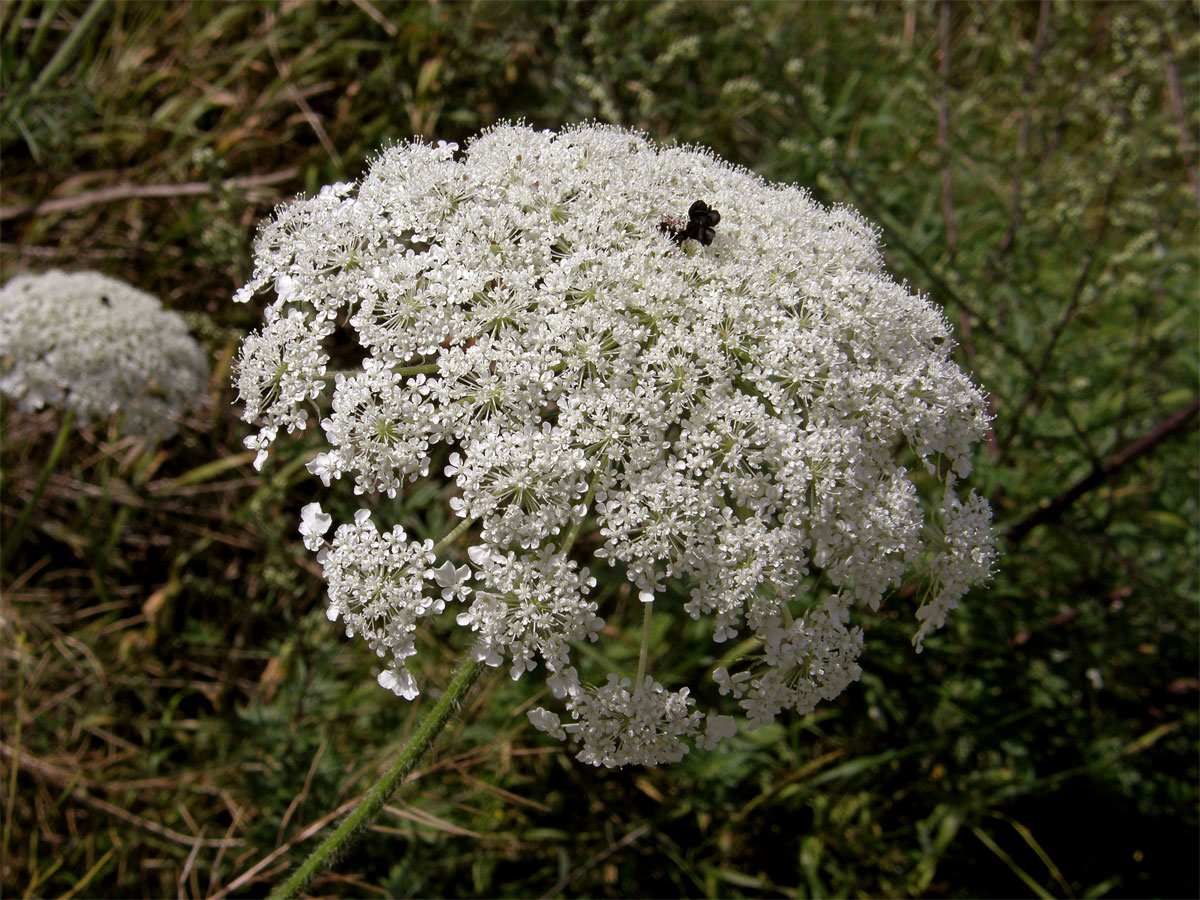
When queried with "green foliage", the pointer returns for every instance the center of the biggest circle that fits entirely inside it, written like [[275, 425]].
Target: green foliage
[[168, 671]]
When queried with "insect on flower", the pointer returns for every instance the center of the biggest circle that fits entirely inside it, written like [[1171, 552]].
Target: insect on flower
[[701, 224]]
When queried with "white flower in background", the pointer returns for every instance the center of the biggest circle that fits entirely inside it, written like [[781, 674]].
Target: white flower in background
[[98, 346], [719, 395]]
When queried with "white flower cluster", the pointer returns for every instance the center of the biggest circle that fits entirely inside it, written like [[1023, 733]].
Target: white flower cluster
[[725, 417], [98, 346]]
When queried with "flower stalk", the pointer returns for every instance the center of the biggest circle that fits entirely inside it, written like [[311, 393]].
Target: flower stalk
[[363, 814]]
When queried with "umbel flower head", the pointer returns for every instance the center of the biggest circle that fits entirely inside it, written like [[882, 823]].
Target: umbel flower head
[[97, 346], [719, 395]]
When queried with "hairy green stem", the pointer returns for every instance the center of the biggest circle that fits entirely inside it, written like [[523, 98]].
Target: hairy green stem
[[453, 535], [340, 840], [14, 537]]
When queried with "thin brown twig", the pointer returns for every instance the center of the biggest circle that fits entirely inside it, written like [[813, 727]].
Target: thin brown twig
[[298, 800], [236, 813], [943, 127], [426, 819], [1015, 213], [67, 488], [910, 25], [78, 790], [109, 738], [285, 72], [1052, 510], [188, 819], [500, 793], [597, 859], [378, 17], [135, 191], [1039, 45], [187, 869], [279, 851], [362, 889], [1068, 316], [191, 781], [1175, 92]]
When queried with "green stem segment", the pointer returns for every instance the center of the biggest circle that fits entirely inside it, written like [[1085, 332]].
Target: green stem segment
[[60, 444], [361, 815], [427, 369], [452, 536], [644, 650]]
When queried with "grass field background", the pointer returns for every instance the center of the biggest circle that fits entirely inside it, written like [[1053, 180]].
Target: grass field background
[[176, 708]]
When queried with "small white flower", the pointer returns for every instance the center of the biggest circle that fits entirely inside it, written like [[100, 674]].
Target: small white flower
[[447, 575], [717, 729], [313, 524], [728, 684], [285, 287], [544, 720], [480, 555], [399, 682], [323, 466]]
